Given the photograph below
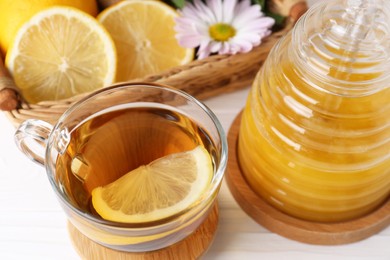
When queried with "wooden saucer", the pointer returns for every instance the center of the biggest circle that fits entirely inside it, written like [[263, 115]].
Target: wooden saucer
[[290, 227], [193, 247]]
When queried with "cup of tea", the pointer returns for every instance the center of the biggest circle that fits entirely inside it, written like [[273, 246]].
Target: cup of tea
[[136, 167]]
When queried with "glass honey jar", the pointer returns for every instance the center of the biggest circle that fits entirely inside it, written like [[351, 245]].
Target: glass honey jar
[[314, 138]]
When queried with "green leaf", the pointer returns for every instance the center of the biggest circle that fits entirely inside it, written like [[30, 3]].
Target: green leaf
[[259, 2], [279, 19], [178, 3]]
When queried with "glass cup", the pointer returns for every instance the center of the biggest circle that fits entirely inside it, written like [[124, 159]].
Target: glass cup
[[55, 148]]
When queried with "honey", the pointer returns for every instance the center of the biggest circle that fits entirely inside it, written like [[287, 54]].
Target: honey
[[315, 133]]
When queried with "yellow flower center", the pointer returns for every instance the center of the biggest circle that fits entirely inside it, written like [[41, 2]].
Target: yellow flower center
[[221, 32]]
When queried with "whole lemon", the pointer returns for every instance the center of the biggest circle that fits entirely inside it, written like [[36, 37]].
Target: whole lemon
[[14, 13]]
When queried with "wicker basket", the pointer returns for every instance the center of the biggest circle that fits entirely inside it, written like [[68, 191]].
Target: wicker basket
[[229, 72]]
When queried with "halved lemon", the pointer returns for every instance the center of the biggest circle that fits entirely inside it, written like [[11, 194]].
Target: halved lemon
[[14, 13], [61, 52], [144, 35], [156, 191]]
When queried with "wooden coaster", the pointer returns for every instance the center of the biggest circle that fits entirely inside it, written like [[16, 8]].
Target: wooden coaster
[[193, 247], [294, 228]]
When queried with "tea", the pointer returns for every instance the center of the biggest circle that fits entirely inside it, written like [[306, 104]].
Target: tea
[[107, 146], [115, 156]]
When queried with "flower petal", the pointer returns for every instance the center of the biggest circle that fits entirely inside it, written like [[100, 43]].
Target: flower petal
[[190, 12], [216, 8], [228, 11], [242, 44], [242, 6], [189, 41], [215, 46], [204, 12], [257, 26], [224, 48], [249, 37], [250, 14], [204, 50]]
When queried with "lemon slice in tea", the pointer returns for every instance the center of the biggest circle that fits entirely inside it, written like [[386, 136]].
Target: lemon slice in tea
[[61, 52], [156, 191]]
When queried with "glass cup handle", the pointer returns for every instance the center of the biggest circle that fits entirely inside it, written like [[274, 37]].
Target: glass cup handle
[[31, 138]]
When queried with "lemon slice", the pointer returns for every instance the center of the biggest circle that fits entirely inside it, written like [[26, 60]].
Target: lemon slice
[[156, 191], [144, 35], [61, 52]]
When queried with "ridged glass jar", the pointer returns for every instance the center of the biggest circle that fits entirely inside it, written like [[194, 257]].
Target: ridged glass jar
[[315, 133]]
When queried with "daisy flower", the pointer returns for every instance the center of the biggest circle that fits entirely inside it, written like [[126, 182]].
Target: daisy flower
[[223, 27]]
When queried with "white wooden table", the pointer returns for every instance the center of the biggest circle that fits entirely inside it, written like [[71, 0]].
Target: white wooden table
[[33, 226]]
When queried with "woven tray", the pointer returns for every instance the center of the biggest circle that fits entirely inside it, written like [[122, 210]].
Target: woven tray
[[229, 73]]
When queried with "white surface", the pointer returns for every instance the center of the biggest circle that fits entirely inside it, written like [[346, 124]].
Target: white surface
[[33, 226]]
